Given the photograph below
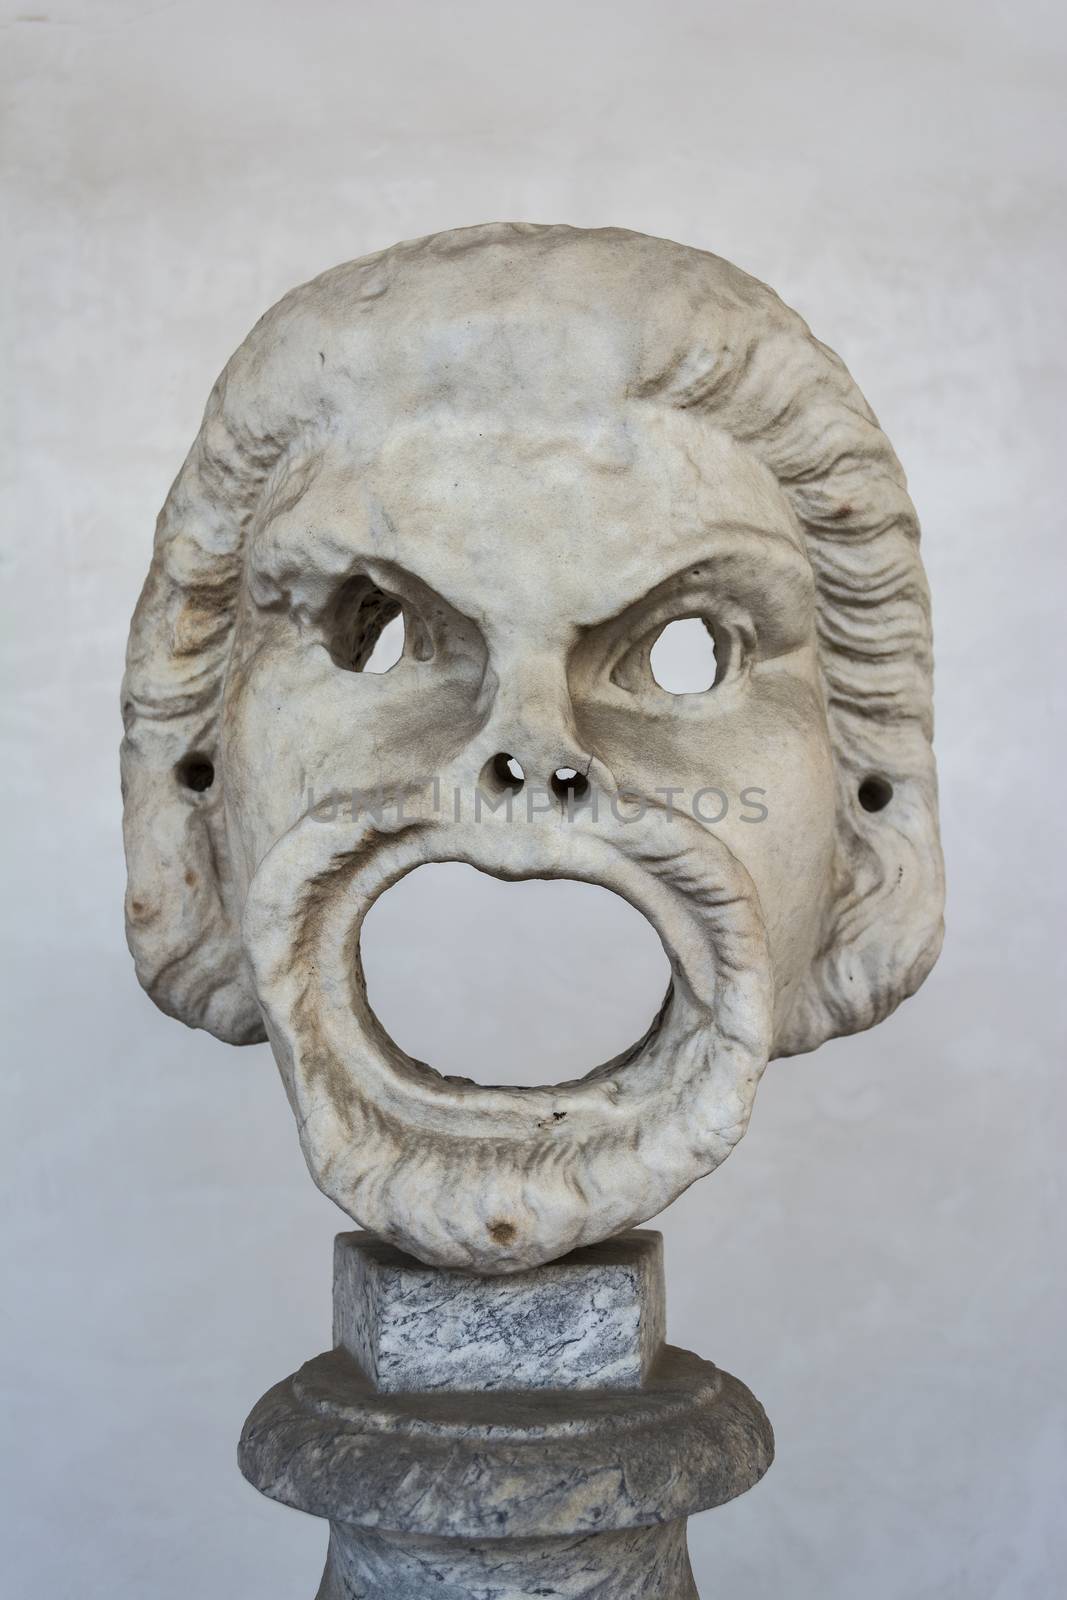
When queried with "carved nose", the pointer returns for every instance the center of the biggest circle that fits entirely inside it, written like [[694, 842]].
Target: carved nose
[[567, 783], [532, 738], [505, 771]]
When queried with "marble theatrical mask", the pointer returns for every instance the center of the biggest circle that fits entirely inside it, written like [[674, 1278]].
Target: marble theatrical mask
[[538, 446]]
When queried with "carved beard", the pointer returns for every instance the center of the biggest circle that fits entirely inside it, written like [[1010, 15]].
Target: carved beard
[[500, 1179]]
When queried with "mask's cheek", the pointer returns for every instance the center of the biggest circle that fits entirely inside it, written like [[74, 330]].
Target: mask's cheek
[[753, 765], [297, 730], [782, 821], [265, 744], [789, 855]]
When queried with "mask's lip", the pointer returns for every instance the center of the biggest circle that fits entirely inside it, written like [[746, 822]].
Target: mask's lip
[[539, 1169]]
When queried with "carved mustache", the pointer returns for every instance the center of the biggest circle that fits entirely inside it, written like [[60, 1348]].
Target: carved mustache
[[482, 1177]]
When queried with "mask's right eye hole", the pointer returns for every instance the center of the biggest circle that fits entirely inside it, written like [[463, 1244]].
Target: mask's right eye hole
[[683, 657], [365, 628]]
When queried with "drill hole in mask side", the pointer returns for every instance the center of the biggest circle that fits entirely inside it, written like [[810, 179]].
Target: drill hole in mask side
[[683, 658], [875, 792], [196, 772]]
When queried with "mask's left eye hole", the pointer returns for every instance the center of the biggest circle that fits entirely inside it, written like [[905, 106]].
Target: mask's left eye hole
[[683, 659], [367, 630], [388, 647]]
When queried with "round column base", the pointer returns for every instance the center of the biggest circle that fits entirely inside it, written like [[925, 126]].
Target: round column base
[[526, 1438], [505, 1495], [632, 1564]]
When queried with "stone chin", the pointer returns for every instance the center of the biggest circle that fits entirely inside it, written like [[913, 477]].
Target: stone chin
[[500, 1179]]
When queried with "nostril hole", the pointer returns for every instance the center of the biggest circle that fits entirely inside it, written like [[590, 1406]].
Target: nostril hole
[[875, 793], [196, 772], [569, 784], [505, 772]]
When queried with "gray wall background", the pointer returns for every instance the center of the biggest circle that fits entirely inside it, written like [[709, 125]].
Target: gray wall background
[[882, 1258]]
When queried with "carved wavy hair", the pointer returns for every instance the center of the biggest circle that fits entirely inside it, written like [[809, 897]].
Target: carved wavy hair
[[700, 336]]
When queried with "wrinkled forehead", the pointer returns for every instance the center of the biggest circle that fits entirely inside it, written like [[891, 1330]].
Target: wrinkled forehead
[[596, 506], [514, 327]]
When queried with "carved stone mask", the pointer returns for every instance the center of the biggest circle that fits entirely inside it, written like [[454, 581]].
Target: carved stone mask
[[539, 446]]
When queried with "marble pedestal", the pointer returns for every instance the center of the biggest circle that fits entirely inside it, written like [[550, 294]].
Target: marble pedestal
[[474, 1438]]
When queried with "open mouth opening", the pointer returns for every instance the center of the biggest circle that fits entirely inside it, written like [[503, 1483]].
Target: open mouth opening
[[520, 983], [499, 1176]]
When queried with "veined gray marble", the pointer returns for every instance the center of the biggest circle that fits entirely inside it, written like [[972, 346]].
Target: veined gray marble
[[591, 1320], [461, 1487], [637, 1564]]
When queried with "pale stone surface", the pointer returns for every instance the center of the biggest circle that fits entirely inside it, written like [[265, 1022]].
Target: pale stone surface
[[456, 1487], [539, 446], [592, 1320]]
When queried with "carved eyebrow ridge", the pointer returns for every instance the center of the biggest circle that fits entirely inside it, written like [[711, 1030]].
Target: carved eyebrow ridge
[[777, 547]]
